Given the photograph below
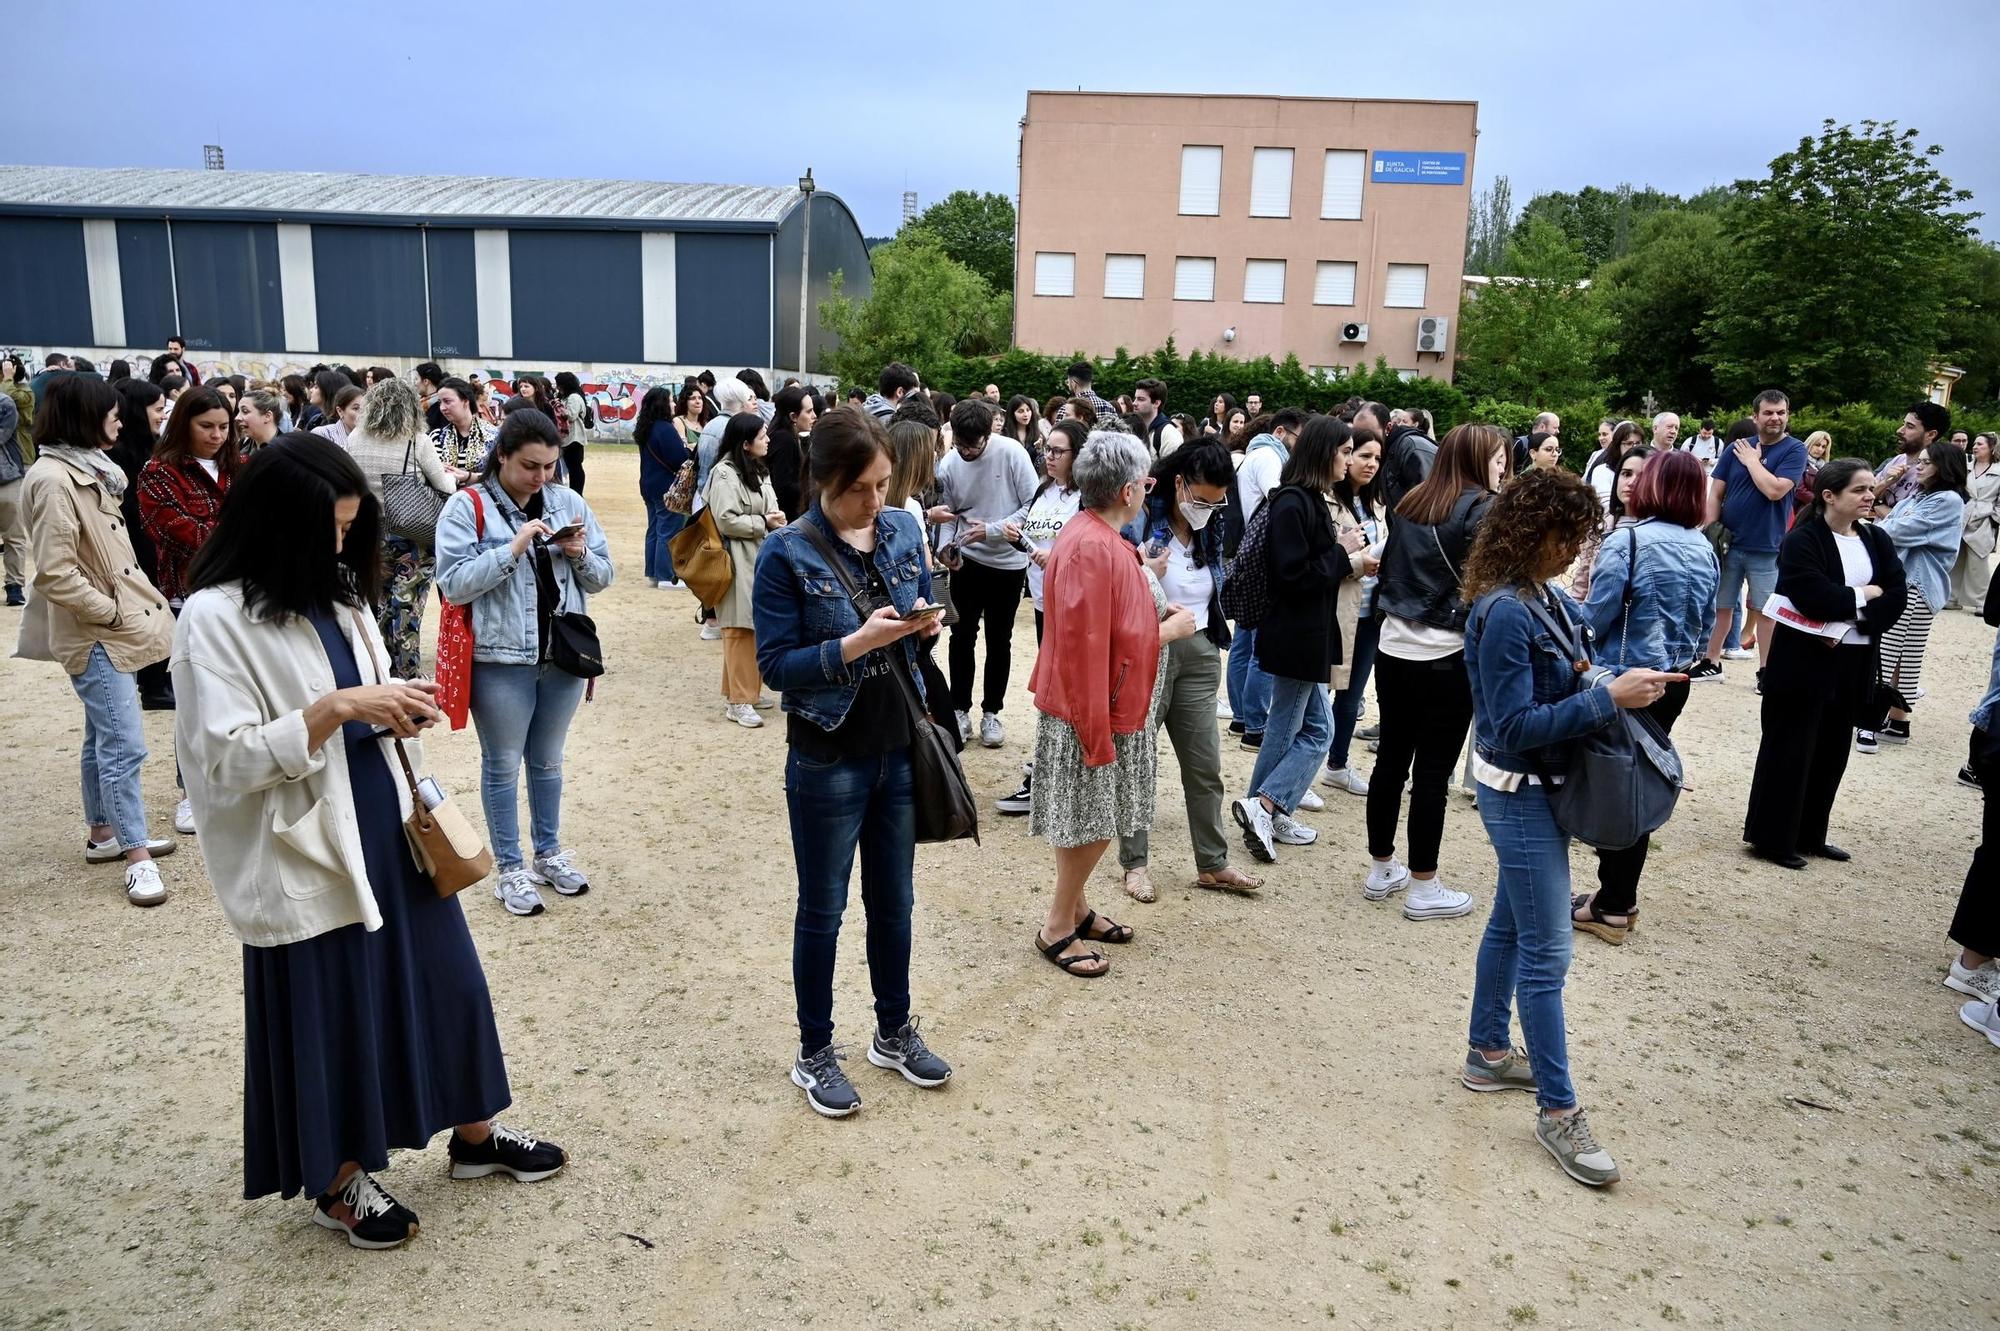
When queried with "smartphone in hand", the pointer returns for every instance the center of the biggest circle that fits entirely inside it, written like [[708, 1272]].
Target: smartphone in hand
[[921, 613]]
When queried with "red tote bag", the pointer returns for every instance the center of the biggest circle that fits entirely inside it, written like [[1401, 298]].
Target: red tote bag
[[454, 654]]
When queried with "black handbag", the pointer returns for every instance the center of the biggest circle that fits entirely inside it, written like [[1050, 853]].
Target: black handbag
[[573, 645], [945, 809]]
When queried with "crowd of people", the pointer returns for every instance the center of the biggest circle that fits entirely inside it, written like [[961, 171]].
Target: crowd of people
[[1246, 575]]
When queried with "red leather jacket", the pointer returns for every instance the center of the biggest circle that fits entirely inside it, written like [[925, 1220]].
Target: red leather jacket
[[1100, 638]]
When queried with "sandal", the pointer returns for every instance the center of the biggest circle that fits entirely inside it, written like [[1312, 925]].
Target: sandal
[[1054, 952], [1597, 923], [1242, 884], [1139, 885], [1114, 932]]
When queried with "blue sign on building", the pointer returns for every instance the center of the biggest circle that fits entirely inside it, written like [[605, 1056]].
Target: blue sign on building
[[1393, 168]]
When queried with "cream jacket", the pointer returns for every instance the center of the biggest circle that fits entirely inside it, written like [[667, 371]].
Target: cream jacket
[[278, 824], [88, 587]]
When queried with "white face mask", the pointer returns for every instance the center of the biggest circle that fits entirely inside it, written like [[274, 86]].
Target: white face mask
[[1197, 517]]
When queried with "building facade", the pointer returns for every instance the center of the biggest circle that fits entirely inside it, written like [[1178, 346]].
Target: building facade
[[1329, 228]]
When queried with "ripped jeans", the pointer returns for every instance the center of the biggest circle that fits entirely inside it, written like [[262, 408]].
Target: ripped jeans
[[522, 712]]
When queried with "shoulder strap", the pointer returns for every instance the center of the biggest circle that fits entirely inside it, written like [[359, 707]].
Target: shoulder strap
[[1564, 633], [478, 513]]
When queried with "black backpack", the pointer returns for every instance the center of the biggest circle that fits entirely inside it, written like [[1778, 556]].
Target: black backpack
[[1246, 591]]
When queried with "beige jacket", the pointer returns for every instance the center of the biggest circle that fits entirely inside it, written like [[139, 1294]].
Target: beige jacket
[[279, 830], [739, 516], [1347, 604], [88, 588]]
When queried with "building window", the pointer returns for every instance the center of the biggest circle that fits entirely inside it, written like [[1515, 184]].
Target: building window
[[1340, 195], [1201, 181], [1271, 182], [1194, 279], [1264, 282], [1405, 288], [1055, 274], [1124, 276], [1333, 283]]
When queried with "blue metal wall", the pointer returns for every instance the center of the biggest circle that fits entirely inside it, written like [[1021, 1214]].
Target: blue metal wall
[[44, 283], [370, 285], [576, 295], [146, 273], [722, 290], [229, 286], [454, 295]]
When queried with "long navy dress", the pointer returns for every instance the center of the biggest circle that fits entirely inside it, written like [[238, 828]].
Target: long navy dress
[[357, 1042]]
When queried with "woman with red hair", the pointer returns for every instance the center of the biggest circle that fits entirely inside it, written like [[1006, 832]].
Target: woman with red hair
[[1652, 601]]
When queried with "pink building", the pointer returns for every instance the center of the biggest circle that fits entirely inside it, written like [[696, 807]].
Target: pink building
[[1332, 228]]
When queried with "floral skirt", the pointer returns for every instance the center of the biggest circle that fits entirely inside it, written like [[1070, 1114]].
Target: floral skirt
[[1074, 805]]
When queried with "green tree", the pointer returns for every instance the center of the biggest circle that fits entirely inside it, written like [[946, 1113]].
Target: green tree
[[978, 231], [1535, 337], [1492, 220], [1838, 288], [1657, 297], [926, 310], [1972, 335], [1599, 222]]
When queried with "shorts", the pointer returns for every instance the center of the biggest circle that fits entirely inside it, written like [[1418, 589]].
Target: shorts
[[1757, 567]]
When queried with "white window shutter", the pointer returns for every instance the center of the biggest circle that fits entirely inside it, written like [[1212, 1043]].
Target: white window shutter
[[1340, 194], [1194, 279], [1333, 283], [1055, 274], [1407, 286], [1201, 181], [1124, 276], [1271, 182], [1264, 282]]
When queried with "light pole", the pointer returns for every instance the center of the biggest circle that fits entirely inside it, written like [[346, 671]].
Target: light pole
[[806, 187]]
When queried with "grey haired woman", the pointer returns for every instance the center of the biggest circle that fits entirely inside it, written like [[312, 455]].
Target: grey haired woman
[[391, 438]]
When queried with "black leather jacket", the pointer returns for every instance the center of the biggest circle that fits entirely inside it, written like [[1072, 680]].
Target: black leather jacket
[[1421, 566]]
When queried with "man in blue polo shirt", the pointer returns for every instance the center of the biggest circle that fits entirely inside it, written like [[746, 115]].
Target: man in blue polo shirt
[[1751, 492]]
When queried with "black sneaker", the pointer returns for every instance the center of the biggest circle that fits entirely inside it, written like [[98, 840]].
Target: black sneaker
[[1968, 777], [827, 1088], [1253, 740], [908, 1054], [1760, 681], [1864, 742], [366, 1213], [157, 700], [1237, 727], [505, 1151], [1894, 732], [14, 598], [1705, 671], [1019, 802]]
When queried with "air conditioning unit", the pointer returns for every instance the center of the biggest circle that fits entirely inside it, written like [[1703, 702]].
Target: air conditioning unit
[[1354, 332], [1431, 330]]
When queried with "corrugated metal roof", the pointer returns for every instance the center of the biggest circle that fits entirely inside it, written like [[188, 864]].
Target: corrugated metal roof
[[153, 190]]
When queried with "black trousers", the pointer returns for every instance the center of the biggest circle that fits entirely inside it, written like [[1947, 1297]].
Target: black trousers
[[572, 455], [1426, 707], [994, 596], [1618, 870], [1808, 733], [1975, 925]]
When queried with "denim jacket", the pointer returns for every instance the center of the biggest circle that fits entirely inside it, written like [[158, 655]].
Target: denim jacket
[[1926, 529], [1673, 596], [1526, 694], [479, 571], [802, 611]]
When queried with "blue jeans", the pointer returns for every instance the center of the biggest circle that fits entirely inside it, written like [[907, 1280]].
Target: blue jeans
[[522, 712], [662, 525], [1347, 702], [1295, 739], [114, 748], [1249, 686], [1758, 568], [836, 806], [1525, 953], [1983, 713]]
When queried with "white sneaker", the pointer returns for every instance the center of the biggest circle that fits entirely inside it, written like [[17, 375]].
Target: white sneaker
[[1222, 712], [1384, 879], [1980, 982], [516, 891], [1311, 802], [1256, 822], [1344, 778], [110, 851], [765, 702], [142, 884], [1289, 832], [1984, 1018], [743, 714], [560, 872], [990, 734], [964, 727], [1435, 901], [1739, 653], [711, 632], [671, 585], [184, 817]]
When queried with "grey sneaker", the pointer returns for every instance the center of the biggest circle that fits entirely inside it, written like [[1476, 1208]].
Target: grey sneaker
[[990, 733], [1980, 982], [909, 1055], [964, 727], [1288, 831], [1568, 1139], [827, 1088], [516, 891], [1511, 1073], [560, 872]]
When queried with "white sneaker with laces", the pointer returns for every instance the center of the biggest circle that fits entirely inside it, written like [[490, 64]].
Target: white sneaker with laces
[[1434, 901], [142, 884], [560, 872], [109, 851], [964, 727], [743, 714], [184, 817], [1980, 982], [1344, 778], [1258, 829], [711, 632], [1287, 831], [1739, 653], [1222, 712], [1384, 879], [516, 891], [1984, 1018], [990, 734], [1310, 802]]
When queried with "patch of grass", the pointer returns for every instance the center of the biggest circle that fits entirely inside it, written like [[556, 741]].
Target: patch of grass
[[1524, 1313]]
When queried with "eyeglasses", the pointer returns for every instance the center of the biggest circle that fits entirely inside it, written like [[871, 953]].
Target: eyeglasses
[[1058, 452], [1202, 505]]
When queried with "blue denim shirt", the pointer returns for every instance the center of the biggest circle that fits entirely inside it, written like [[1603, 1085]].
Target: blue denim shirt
[[1926, 529], [803, 611], [1526, 694], [481, 572], [1673, 600]]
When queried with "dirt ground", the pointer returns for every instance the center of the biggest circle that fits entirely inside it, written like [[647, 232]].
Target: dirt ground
[[1255, 1121]]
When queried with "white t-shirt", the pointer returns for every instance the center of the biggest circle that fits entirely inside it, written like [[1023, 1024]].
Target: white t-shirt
[[1047, 515], [212, 467], [1407, 640], [1601, 479], [1856, 568], [1257, 477], [1186, 585]]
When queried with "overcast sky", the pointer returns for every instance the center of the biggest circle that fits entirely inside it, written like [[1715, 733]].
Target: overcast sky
[[880, 98]]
